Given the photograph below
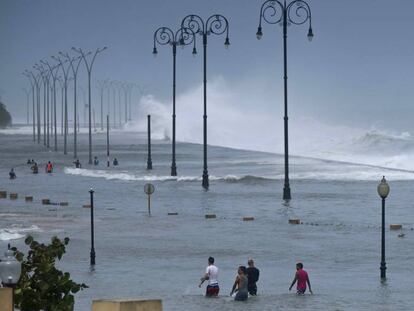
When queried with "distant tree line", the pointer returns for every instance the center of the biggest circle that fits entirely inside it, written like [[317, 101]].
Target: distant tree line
[[5, 117]]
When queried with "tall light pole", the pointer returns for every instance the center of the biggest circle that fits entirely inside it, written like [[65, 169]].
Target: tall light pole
[[383, 191], [54, 77], [181, 37], [296, 12], [101, 87], [33, 84], [75, 67], [36, 81], [65, 71], [45, 74], [27, 92], [216, 24], [89, 67]]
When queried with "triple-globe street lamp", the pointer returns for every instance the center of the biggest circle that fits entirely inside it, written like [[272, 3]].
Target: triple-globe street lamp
[[181, 37], [215, 24], [296, 12]]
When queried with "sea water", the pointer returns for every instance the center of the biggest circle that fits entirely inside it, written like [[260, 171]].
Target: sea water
[[164, 256]]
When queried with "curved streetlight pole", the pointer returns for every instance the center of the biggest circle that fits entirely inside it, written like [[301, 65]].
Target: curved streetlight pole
[[181, 37], [54, 77], [75, 68], [65, 84], [216, 24], [27, 92], [36, 80], [89, 67], [44, 73], [296, 12], [32, 83], [101, 87]]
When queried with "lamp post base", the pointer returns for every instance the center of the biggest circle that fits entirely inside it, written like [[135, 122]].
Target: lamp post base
[[205, 180], [383, 269], [286, 193], [92, 257], [149, 165], [173, 170]]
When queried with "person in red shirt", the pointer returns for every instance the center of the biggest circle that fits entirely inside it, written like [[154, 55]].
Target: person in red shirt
[[49, 167], [301, 276]]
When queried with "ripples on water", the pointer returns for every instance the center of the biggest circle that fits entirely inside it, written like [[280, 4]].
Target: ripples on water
[[164, 256]]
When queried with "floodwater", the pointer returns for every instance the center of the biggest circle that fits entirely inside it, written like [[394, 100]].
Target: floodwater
[[163, 256]]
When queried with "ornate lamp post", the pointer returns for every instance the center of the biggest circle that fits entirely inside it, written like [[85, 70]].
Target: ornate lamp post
[[89, 66], [296, 12], [383, 191], [216, 24], [10, 270], [182, 37]]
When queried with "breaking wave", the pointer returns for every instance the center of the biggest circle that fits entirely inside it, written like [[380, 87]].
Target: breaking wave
[[16, 232], [343, 172]]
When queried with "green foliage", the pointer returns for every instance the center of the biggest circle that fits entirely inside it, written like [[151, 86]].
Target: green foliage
[[5, 117], [41, 285]]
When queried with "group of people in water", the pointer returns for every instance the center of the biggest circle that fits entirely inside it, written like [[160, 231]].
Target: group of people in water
[[34, 168], [95, 162], [49, 166], [246, 279]]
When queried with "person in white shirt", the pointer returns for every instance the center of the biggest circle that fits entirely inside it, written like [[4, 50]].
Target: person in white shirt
[[211, 275]]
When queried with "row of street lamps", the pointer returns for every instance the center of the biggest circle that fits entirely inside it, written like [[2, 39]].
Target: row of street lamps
[[191, 25], [45, 72], [295, 12]]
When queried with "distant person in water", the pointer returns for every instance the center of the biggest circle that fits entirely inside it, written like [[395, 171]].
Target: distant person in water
[[115, 162], [211, 275], [29, 161], [253, 277], [95, 161], [240, 285], [77, 163], [302, 278], [35, 168], [49, 167], [12, 174]]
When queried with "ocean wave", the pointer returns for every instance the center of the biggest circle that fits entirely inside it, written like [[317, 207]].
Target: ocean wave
[[16, 232], [340, 172]]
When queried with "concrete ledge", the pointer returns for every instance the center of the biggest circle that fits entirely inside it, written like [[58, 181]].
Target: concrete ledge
[[248, 218], [13, 196], [210, 216], [294, 221], [127, 305], [3, 194], [395, 227], [28, 199], [6, 299]]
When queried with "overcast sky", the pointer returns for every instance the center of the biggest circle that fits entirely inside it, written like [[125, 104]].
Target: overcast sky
[[358, 70]]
